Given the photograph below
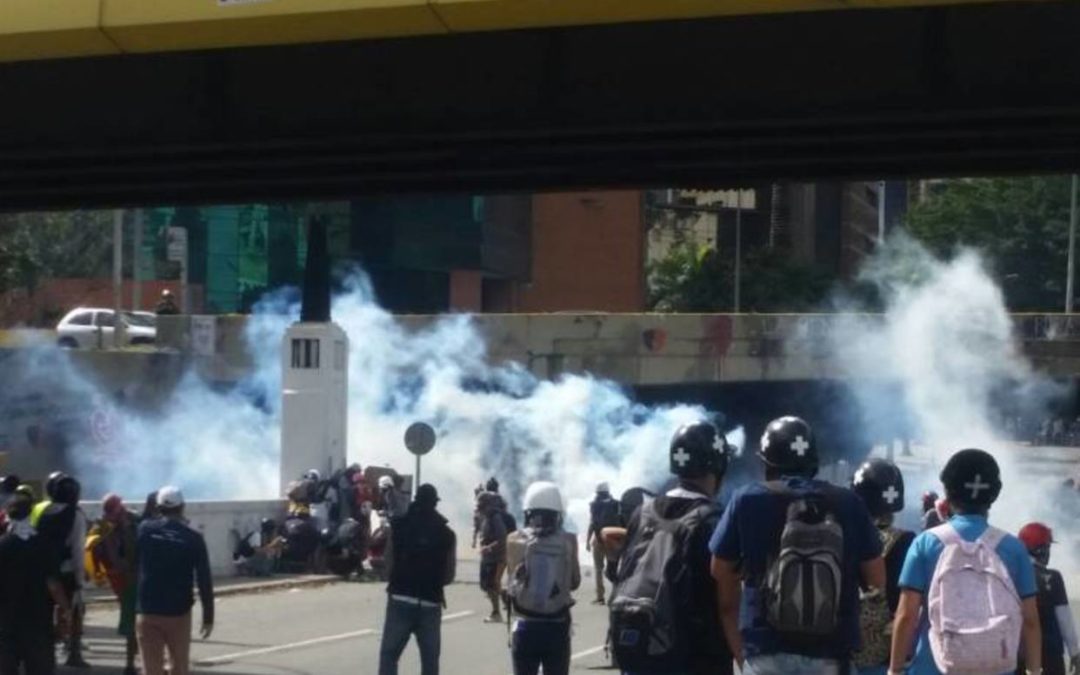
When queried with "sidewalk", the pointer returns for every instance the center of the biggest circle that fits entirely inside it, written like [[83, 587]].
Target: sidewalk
[[226, 586]]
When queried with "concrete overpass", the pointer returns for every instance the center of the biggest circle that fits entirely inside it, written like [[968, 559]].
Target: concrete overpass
[[644, 350], [128, 102]]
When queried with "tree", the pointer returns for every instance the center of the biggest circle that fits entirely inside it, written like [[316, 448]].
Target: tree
[[1021, 226], [36, 246], [699, 279]]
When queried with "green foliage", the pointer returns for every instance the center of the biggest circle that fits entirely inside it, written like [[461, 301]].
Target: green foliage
[[1021, 226], [699, 279], [36, 246]]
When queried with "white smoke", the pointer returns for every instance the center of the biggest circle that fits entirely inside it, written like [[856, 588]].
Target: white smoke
[[947, 338]]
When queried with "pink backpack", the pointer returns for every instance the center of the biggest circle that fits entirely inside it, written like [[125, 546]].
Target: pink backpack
[[974, 610]]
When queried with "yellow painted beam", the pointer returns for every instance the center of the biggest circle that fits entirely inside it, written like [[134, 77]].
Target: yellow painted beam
[[43, 29], [167, 25]]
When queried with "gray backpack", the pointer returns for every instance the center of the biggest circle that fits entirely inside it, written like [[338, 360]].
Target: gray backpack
[[648, 629], [540, 584], [804, 580]]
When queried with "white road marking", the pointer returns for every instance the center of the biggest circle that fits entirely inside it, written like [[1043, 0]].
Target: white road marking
[[303, 644], [587, 652]]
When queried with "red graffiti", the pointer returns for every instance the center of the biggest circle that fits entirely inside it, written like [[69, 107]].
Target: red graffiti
[[718, 335]]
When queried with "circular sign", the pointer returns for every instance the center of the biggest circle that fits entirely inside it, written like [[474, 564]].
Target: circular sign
[[419, 438]]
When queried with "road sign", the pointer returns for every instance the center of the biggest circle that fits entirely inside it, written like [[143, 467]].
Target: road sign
[[419, 438], [176, 244]]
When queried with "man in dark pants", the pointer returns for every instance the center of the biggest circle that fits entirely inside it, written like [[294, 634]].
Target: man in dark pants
[[29, 575], [420, 558]]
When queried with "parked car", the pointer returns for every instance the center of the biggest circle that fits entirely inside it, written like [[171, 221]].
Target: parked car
[[89, 327]]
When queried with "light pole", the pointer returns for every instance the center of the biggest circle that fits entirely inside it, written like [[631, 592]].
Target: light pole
[[738, 250]]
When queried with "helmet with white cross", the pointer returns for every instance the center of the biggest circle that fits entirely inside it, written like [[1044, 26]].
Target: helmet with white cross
[[698, 449], [788, 445]]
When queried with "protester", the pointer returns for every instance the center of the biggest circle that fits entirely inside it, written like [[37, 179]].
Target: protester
[[603, 512], [930, 517], [664, 612], [167, 305], [544, 571], [8, 485], [1055, 615], [150, 508], [492, 552], [421, 558], [63, 526], [394, 501], [775, 534], [880, 484], [172, 559], [939, 569], [117, 552], [29, 579]]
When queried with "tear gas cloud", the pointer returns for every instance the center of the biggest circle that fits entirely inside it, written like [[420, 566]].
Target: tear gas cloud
[[948, 340], [491, 420]]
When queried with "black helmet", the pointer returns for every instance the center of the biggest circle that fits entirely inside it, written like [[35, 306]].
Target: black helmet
[[788, 444], [67, 491], [971, 478], [881, 486], [698, 449], [51, 482]]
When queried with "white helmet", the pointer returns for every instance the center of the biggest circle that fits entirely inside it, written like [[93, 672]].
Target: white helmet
[[312, 474], [385, 482], [543, 495]]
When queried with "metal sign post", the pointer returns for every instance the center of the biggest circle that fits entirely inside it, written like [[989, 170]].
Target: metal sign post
[[419, 440]]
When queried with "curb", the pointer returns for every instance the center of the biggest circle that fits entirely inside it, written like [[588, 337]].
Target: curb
[[252, 588]]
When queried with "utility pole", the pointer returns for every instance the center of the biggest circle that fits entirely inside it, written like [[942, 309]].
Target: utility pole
[[118, 277], [881, 213], [738, 251], [136, 262], [1070, 273]]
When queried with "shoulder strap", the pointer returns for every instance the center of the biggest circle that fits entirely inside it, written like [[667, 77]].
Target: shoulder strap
[[992, 538], [947, 534]]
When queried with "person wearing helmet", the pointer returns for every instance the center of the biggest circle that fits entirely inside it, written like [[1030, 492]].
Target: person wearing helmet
[[930, 517], [665, 561], [880, 484], [972, 481], [394, 501], [1055, 616], [50, 491], [544, 570], [420, 557], [756, 551], [63, 526], [603, 512], [492, 535], [167, 305]]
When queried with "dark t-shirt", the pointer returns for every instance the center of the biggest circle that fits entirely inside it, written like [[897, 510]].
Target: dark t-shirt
[[894, 563], [749, 534], [1051, 596], [26, 565]]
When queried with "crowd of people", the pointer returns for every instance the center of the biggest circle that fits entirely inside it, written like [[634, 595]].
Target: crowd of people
[[793, 576], [152, 562]]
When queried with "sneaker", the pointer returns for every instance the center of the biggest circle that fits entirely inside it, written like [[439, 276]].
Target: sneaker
[[599, 601], [494, 618], [76, 661]]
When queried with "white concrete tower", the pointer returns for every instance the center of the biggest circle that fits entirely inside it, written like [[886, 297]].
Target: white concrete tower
[[315, 375]]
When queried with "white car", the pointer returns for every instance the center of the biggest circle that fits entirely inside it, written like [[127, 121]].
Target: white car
[[89, 327]]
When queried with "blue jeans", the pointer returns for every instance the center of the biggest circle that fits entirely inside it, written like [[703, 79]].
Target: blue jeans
[[541, 643], [404, 619], [790, 664]]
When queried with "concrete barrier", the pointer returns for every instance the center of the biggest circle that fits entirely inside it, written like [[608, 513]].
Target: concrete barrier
[[218, 521]]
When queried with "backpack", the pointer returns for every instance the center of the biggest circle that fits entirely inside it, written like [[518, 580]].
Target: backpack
[[974, 610], [605, 513], [509, 521], [540, 584], [803, 582], [647, 626], [875, 619]]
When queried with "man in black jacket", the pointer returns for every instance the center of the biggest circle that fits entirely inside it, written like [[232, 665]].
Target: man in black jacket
[[420, 557]]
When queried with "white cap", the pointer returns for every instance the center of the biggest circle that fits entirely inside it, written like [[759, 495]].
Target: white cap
[[543, 495], [170, 497], [603, 487], [386, 482]]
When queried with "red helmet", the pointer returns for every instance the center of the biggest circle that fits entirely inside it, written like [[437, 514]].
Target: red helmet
[[1036, 535]]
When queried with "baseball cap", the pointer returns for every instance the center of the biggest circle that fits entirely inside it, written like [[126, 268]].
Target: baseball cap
[[426, 494], [170, 497]]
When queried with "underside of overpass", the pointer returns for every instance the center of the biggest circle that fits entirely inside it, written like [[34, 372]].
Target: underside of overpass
[[855, 93]]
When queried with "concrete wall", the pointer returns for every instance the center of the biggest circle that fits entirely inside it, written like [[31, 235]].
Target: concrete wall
[[217, 521]]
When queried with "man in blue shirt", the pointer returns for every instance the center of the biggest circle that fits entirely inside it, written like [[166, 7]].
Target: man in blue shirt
[[972, 481], [172, 557], [746, 544]]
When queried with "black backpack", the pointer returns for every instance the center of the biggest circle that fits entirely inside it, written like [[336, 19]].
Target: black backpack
[[648, 627], [801, 590], [605, 513]]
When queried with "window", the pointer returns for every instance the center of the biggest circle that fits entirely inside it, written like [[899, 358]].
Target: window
[[105, 320], [305, 353], [339, 355], [82, 319]]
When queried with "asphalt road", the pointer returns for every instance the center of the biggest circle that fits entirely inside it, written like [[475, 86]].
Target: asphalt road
[[335, 630]]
